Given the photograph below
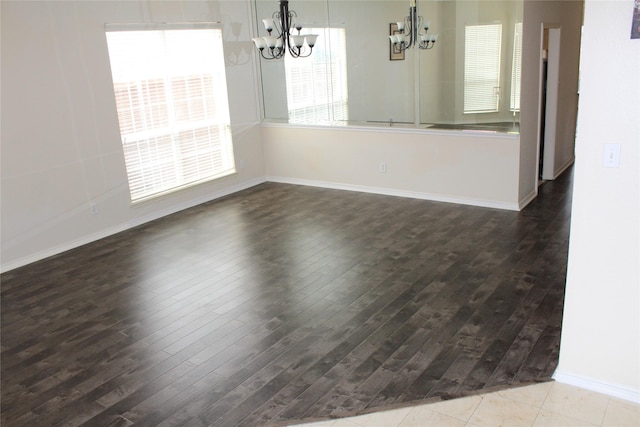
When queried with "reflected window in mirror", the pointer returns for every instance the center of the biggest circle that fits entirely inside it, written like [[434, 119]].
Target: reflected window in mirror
[[317, 85], [516, 68], [482, 68]]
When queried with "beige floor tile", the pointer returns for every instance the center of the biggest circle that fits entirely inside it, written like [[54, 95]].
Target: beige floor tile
[[461, 409], [553, 419], [423, 416], [578, 403], [381, 419], [533, 395], [496, 411], [621, 413], [564, 406], [343, 423], [329, 423]]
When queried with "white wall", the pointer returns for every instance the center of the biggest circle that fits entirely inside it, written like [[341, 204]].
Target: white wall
[[473, 169], [61, 148], [600, 347]]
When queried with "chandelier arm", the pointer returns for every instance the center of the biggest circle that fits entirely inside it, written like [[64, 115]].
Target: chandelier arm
[[299, 52], [401, 46], [292, 51], [266, 57], [291, 46], [277, 23], [413, 32], [272, 53]]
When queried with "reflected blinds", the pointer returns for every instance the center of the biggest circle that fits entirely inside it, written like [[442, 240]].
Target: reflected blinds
[[171, 99], [482, 68], [516, 68], [317, 85]]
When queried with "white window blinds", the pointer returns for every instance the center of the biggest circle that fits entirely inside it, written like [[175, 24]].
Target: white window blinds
[[482, 68], [171, 97], [516, 68], [317, 85]]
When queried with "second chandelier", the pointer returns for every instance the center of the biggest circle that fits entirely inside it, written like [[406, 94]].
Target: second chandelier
[[413, 31]]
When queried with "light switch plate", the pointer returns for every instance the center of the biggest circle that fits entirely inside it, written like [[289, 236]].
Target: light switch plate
[[611, 157]]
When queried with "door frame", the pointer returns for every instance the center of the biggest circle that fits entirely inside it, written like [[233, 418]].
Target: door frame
[[550, 108]]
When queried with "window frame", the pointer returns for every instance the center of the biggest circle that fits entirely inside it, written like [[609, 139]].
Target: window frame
[[175, 150], [485, 61], [516, 68]]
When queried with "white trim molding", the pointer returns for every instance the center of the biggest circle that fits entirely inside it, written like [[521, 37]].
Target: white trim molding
[[613, 390], [395, 192], [563, 167], [528, 199]]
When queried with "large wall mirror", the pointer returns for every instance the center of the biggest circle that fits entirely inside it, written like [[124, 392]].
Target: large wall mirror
[[469, 80]]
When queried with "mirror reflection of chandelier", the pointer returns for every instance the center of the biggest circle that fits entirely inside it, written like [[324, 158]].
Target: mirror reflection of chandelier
[[413, 31], [284, 22]]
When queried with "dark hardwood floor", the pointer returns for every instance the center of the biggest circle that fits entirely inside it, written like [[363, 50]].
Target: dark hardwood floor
[[284, 303]]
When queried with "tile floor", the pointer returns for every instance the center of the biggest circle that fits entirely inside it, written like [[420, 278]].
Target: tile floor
[[547, 404]]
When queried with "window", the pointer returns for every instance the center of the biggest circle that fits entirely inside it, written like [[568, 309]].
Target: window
[[317, 85], [171, 98], [482, 68], [516, 68]]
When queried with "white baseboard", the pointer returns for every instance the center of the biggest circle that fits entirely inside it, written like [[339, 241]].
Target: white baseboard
[[125, 226], [528, 199], [563, 168], [613, 390], [159, 214], [395, 192]]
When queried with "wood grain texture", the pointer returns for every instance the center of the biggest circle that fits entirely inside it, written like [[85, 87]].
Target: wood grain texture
[[284, 303]]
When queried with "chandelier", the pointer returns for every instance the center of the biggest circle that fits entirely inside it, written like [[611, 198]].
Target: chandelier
[[410, 31], [283, 22]]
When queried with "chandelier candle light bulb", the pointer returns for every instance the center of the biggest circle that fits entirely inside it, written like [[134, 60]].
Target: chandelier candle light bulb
[[311, 39], [268, 24]]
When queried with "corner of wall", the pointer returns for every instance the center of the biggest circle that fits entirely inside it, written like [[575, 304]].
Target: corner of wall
[[522, 203]]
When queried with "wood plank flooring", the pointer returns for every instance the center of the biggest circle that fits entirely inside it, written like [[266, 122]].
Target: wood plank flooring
[[284, 303]]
